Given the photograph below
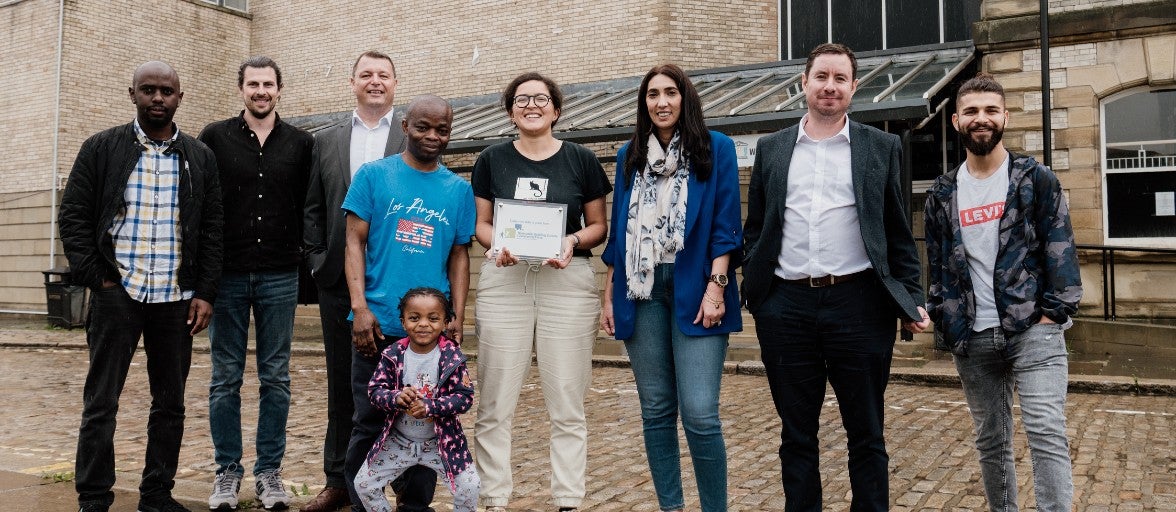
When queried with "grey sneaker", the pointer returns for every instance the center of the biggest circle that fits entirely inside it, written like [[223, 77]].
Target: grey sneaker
[[224, 491], [271, 491]]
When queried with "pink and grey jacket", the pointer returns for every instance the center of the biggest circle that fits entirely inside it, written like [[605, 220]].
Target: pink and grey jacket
[[454, 395]]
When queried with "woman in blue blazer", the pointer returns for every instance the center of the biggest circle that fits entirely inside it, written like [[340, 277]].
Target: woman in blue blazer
[[670, 292]]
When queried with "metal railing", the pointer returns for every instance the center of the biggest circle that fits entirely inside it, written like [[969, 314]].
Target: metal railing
[[1107, 255]]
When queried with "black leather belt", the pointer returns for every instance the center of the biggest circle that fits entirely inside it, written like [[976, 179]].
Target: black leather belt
[[823, 281]]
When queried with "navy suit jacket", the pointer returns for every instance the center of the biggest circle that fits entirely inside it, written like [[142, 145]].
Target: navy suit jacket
[[324, 228], [712, 230], [876, 158]]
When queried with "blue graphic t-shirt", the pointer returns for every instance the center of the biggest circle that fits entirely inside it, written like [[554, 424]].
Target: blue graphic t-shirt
[[415, 220]]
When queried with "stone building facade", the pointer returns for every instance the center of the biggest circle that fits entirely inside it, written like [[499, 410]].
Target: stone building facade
[[1099, 50]]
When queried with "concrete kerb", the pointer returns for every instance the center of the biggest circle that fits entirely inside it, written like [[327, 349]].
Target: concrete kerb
[[944, 377]]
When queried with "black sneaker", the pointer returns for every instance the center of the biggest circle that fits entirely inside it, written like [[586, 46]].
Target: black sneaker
[[167, 504], [94, 507]]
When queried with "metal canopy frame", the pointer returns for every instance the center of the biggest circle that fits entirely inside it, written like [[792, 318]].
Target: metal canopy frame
[[765, 97]]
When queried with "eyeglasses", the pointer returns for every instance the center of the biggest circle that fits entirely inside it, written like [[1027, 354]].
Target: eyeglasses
[[541, 100]]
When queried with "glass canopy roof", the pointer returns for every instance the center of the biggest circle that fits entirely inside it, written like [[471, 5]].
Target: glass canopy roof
[[892, 85]]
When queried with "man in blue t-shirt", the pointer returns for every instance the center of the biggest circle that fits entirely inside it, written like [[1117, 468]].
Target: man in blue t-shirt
[[409, 223]]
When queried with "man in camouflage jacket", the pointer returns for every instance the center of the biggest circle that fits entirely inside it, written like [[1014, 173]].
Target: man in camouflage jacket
[[1004, 283]]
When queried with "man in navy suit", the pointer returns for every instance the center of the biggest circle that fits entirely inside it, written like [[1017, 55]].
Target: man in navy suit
[[830, 264], [371, 133]]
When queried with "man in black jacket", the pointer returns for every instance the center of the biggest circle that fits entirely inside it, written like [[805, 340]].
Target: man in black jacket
[[141, 224]]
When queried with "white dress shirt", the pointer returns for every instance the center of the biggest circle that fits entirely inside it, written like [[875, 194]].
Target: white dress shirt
[[822, 235], [367, 144]]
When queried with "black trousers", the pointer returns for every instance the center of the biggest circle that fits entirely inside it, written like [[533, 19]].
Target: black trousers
[[334, 306], [113, 328], [842, 334]]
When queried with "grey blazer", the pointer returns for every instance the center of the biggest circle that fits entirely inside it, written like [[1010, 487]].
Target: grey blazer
[[876, 158], [324, 227]]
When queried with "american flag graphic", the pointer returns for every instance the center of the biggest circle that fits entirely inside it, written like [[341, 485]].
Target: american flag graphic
[[415, 233]]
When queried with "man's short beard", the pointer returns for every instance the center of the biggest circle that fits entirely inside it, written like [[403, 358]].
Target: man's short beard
[[982, 148]]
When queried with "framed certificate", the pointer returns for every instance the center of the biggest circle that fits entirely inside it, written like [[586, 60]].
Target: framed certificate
[[532, 230]]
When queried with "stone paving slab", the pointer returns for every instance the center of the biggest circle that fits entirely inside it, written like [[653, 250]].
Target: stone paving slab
[[1123, 446]]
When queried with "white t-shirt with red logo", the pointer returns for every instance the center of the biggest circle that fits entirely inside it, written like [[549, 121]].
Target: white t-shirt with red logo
[[981, 205]]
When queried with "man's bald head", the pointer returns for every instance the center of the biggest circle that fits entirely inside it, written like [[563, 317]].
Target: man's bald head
[[155, 91], [428, 104], [155, 67], [427, 125]]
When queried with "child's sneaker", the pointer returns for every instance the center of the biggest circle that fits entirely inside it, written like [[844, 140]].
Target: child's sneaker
[[224, 491], [271, 491]]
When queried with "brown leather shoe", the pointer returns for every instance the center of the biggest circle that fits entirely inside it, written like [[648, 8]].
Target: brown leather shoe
[[329, 499]]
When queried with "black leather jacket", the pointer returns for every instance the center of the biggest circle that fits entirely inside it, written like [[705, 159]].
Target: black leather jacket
[[94, 195]]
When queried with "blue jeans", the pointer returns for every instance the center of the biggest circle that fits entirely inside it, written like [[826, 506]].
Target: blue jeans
[[677, 373], [113, 327], [272, 297], [1034, 363]]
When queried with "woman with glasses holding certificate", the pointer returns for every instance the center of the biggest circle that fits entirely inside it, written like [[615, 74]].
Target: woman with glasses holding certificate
[[548, 303], [671, 292]]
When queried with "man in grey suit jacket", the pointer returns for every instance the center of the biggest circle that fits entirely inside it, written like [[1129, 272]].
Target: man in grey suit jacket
[[370, 134], [830, 264]]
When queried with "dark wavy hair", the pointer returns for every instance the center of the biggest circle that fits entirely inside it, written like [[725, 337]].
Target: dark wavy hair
[[552, 89], [691, 127], [425, 291], [258, 62], [982, 82]]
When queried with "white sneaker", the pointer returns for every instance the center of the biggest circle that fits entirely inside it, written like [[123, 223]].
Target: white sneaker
[[271, 491], [224, 491]]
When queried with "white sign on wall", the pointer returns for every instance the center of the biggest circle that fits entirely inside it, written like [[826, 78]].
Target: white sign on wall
[[745, 148], [1165, 204]]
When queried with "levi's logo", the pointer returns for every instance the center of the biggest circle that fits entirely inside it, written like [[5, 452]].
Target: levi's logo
[[981, 214]]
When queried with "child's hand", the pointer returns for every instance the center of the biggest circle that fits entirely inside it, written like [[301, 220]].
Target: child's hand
[[418, 409], [407, 396]]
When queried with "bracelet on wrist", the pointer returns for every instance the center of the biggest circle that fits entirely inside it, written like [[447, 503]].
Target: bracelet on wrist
[[575, 240]]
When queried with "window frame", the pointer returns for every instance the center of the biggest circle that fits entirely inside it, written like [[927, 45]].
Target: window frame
[[1165, 242]]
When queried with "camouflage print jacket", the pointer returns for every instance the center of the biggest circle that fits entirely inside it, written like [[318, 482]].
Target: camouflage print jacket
[[1036, 265]]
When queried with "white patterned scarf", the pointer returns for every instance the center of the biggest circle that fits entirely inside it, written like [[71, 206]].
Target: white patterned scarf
[[652, 232]]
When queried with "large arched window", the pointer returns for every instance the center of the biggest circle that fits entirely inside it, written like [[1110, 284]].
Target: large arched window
[[1139, 168]]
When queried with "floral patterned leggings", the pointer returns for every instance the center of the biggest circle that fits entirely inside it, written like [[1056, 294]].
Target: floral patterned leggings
[[400, 453]]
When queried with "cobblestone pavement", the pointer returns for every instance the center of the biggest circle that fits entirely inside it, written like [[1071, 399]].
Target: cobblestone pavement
[[1123, 446]]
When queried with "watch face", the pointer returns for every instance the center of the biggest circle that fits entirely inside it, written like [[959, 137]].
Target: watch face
[[720, 279]]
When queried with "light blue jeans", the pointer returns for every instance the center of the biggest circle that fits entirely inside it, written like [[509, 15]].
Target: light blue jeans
[[272, 297], [1034, 364], [677, 373]]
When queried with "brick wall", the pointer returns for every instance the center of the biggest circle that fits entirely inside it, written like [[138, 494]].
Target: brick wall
[[103, 43], [28, 53], [107, 40], [1006, 8], [484, 44]]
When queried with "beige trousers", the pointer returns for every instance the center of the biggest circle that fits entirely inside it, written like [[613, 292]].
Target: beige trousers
[[555, 313]]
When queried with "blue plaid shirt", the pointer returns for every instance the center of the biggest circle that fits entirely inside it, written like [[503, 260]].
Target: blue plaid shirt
[[146, 232]]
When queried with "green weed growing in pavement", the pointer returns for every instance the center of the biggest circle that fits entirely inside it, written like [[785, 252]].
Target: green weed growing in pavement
[[304, 491], [60, 476]]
